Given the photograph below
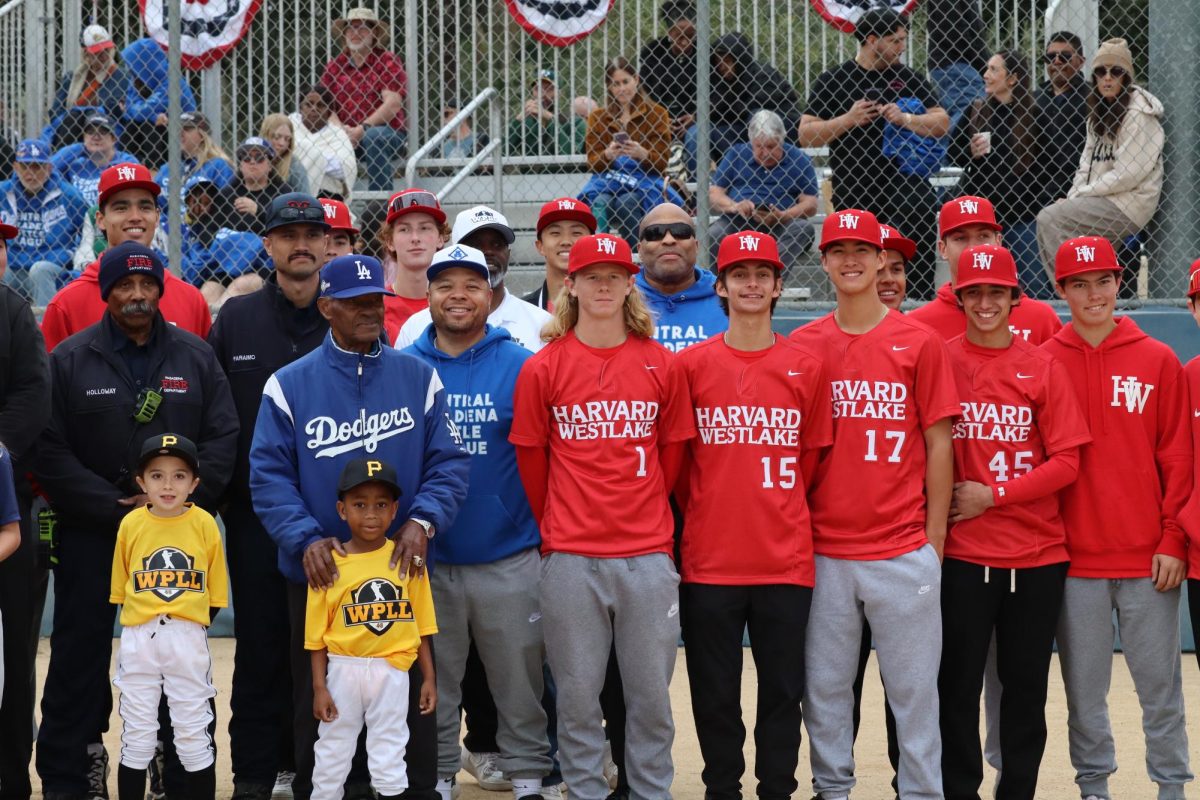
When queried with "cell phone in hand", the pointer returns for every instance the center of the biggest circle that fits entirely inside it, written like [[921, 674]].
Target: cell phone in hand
[[621, 137]]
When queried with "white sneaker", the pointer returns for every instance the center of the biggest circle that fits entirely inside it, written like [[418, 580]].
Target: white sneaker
[[1093, 797], [552, 792], [482, 766], [611, 771], [448, 788], [283, 786]]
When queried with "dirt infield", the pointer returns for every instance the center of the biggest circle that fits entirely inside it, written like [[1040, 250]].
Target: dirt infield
[[874, 773]]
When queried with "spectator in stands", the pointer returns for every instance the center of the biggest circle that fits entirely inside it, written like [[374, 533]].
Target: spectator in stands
[[740, 85], [957, 54], [667, 65], [324, 149], [1120, 175], [1062, 112], [144, 123], [996, 144], [200, 154], [342, 234], [255, 186], [49, 211], [223, 262], [766, 185], [98, 82], [368, 85], [628, 143], [81, 163], [848, 108], [277, 129], [540, 128], [128, 212], [462, 142], [415, 229]]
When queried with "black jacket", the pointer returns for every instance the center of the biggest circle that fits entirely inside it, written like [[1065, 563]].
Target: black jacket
[[1062, 130], [669, 78], [753, 87], [253, 336], [88, 455], [538, 297], [24, 379]]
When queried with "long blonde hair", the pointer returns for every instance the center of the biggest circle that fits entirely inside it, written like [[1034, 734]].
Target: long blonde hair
[[210, 150], [283, 165], [638, 320]]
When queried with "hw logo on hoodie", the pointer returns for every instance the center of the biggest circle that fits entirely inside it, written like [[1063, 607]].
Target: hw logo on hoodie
[[1128, 391]]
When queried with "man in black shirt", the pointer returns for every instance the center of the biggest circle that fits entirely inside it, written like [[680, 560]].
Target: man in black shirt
[[667, 65], [848, 108], [957, 53], [1061, 116]]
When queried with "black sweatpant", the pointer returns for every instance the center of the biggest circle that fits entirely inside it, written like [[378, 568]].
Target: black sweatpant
[[714, 618], [420, 753], [260, 722], [1024, 614], [1193, 593]]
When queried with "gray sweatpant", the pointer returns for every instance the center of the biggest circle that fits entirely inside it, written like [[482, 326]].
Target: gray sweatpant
[[588, 604], [901, 598], [1148, 623], [496, 605], [1079, 216]]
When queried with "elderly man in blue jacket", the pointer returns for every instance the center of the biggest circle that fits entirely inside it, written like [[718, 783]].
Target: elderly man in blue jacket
[[352, 397]]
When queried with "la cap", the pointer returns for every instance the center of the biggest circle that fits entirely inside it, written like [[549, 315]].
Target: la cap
[[988, 264], [966, 210], [1084, 254], [566, 208], [120, 177], [851, 224], [337, 215], [600, 248], [367, 470], [292, 208], [458, 255], [1193, 277], [170, 444], [33, 151], [125, 259], [352, 275], [894, 240], [478, 218], [410, 201], [746, 246], [96, 38]]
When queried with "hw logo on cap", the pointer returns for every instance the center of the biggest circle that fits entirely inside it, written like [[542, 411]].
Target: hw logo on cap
[[566, 205], [330, 211], [968, 206], [606, 246], [748, 243], [982, 261], [126, 173], [1085, 253], [848, 222]]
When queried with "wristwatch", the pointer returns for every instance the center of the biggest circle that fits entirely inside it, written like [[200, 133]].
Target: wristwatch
[[426, 525]]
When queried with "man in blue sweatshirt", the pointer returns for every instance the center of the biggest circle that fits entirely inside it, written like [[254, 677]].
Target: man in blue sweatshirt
[[352, 397], [681, 296], [486, 578]]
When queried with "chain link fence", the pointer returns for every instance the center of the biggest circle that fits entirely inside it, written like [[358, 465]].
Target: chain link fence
[[461, 98]]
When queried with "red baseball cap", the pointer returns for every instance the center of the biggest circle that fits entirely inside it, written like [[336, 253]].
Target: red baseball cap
[[120, 177], [410, 201], [565, 208], [600, 248], [1193, 276], [893, 240], [7, 231], [1084, 254], [739, 248], [988, 264], [852, 224], [338, 216], [966, 210]]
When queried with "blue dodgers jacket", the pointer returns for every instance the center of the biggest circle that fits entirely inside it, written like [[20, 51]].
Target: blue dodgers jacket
[[688, 317], [495, 521], [76, 166], [331, 406], [48, 222]]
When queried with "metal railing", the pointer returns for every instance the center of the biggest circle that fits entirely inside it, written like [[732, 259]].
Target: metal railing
[[492, 148]]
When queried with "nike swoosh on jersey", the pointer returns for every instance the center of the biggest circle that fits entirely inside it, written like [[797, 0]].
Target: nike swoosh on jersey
[[648, 366], [898, 348], [1024, 377], [794, 374]]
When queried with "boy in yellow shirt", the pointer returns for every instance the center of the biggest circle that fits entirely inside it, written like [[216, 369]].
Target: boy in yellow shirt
[[168, 576], [365, 632]]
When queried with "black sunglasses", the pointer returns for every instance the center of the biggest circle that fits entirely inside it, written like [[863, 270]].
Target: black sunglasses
[[301, 213], [1058, 56], [1116, 72], [678, 230], [253, 158], [411, 199]]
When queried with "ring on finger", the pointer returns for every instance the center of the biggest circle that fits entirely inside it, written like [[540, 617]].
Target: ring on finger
[[418, 560]]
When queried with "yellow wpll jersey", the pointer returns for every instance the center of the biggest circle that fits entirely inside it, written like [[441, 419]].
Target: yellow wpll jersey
[[169, 565], [370, 612]]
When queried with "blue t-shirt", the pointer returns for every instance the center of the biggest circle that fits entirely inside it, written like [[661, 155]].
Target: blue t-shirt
[[743, 178], [8, 493]]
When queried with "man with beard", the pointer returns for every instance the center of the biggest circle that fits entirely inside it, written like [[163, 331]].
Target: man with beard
[[130, 376], [255, 335]]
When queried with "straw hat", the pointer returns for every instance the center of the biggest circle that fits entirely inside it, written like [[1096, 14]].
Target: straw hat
[[362, 14]]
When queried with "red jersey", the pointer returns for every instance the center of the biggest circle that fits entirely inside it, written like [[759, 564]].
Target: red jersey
[[397, 310], [888, 386], [1018, 410], [603, 413], [1136, 475], [1191, 517], [757, 413], [78, 305], [1032, 320]]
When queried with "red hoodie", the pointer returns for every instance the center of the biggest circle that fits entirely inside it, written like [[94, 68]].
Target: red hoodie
[[78, 305], [1032, 320], [1136, 476], [1191, 515]]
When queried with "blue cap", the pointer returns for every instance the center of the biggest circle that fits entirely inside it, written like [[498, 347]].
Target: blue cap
[[351, 276], [126, 259], [197, 180], [98, 119], [33, 151], [255, 143], [458, 255]]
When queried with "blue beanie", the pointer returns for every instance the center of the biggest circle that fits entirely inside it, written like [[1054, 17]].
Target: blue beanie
[[125, 259]]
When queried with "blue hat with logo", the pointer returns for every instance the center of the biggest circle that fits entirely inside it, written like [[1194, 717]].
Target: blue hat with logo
[[127, 259], [351, 276], [33, 151], [255, 143], [98, 119], [458, 255]]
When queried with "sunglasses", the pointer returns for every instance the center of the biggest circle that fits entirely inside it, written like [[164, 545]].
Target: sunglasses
[[301, 213], [1058, 57], [414, 199], [253, 158], [678, 230], [1103, 72]]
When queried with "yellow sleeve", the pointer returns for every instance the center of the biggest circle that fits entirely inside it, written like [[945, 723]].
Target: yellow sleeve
[[316, 618], [421, 597], [120, 566], [218, 575]]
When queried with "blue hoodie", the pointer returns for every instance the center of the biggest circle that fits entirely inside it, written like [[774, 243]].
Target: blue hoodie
[[688, 317], [217, 170], [331, 406], [147, 65], [75, 165], [495, 522], [49, 221]]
